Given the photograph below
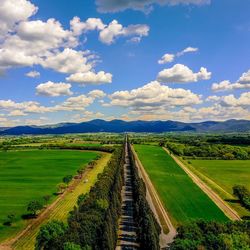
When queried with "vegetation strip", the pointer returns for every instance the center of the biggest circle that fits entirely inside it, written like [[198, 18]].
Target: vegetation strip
[[168, 230], [216, 198]]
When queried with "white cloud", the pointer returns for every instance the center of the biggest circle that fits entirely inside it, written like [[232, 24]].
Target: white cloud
[[142, 5], [152, 97], [33, 74], [242, 83], [187, 50], [115, 29], [79, 27], [96, 94], [90, 78], [180, 73], [168, 58], [245, 78], [17, 113], [242, 101], [213, 98], [68, 61], [76, 103], [14, 11], [53, 89]]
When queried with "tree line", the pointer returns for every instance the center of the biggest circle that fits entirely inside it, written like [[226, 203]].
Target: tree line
[[243, 194], [93, 224], [210, 151]]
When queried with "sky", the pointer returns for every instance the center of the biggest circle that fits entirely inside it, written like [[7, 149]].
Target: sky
[[78, 60]]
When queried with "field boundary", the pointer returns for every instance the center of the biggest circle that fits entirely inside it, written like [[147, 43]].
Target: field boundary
[[46, 213], [168, 231], [227, 210]]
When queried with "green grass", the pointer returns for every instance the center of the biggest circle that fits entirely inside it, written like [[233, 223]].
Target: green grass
[[224, 175], [183, 199], [29, 175]]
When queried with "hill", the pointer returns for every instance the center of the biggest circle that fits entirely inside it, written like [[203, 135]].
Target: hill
[[119, 126]]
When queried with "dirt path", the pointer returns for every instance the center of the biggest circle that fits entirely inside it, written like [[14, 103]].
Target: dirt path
[[127, 235], [24, 240], [168, 231], [228, 211]]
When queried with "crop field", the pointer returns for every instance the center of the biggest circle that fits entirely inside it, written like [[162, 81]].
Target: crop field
[[183, 199], [63, 206], [30, 175], [224, 175]]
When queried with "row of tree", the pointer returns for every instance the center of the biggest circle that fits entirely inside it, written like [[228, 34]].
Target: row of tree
[[213, 151], [106, 149], [94, 223], [243, 195], [149, 229], [213, 236]]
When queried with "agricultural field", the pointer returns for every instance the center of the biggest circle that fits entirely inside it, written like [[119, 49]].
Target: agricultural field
[[183, 199], [63, 205], [222, 175], [30, 175]]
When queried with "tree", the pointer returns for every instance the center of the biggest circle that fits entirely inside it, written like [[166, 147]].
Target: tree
[[67, 179], [34, 206], [71, 246], [10, 219], [81, 198], [61, 187], [51, 235]]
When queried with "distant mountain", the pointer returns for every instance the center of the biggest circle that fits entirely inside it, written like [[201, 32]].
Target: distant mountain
[[119, 126]]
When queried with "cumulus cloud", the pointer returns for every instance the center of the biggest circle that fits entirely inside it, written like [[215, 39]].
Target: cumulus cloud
[[53, 89], [17, 113], [33, 74], [180, 73], [96, 94], [242, 83], [231, 100], [68, 61], [115, 29], [78, 27], [90, 78], [152, 97], [168, 58], [14, 11], [142, 5]]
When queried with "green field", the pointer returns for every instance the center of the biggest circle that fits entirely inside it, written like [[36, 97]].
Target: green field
[[183, 199], [225, 174], [29, 175]]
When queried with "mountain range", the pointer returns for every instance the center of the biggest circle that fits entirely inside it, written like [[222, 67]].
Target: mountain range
[[119, 126]]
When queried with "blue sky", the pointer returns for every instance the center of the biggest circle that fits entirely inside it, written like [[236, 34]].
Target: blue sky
[[142, 60]]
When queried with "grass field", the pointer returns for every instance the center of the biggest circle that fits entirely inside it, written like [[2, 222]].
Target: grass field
[[63, 206], [29, 175], [223, 175], [183, 199]]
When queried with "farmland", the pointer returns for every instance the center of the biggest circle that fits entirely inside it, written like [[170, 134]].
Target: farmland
[[222, 175], [181, 197], [30, 175]]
